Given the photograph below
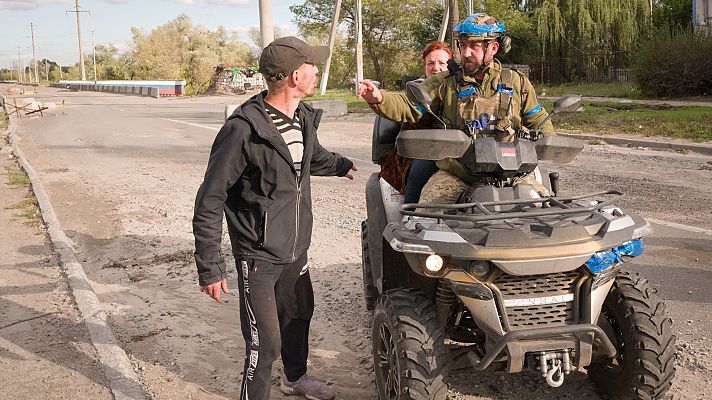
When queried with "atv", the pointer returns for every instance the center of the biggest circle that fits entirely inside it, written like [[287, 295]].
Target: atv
[[506, 278]]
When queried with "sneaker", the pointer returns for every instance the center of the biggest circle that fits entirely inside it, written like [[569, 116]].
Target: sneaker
[[311, 388]]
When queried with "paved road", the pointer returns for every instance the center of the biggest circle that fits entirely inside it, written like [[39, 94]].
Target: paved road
[[122, 174]]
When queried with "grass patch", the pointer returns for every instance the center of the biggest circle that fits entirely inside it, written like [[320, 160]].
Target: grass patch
[[617, 90], [27, 202], [693, 123], [353, 103], [17, 178], [27, 209], [623, 90], [3, 120]]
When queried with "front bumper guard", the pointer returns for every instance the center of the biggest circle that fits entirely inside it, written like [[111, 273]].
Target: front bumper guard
[[540, 333]]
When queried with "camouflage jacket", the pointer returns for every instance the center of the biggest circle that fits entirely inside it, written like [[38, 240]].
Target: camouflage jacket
[[502, 103]]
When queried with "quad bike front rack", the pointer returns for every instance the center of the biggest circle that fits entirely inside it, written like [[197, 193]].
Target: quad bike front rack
[[544, 206]]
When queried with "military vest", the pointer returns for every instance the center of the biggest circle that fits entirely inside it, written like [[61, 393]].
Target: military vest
[[484, 114]]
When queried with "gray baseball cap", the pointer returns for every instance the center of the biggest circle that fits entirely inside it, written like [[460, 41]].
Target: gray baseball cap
[[287, 54]]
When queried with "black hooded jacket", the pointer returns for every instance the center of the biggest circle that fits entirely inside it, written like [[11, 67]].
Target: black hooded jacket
[[252, 180]]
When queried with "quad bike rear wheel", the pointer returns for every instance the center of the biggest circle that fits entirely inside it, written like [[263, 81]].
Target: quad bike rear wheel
[[410, 357], [369, 286], [634, 318]]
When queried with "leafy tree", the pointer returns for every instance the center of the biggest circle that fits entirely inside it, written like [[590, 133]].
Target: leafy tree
[[395, 32], [586, 29], [110, 64], [256, 37], [390, 46], [521, 27], [672, 14], [659, 69], [180, 50]]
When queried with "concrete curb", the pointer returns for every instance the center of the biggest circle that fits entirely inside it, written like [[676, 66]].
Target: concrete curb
[[701, 148], [123, 381]]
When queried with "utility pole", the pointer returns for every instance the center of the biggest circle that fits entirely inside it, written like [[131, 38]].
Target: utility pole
[[34, 57], [359, 43], [93, 52], [266, 27], [79, 36], [444, 22], [454, 19], [46, 72], [19, 65], [332, 39]]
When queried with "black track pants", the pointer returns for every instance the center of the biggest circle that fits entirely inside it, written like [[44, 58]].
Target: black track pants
[[276, 306]]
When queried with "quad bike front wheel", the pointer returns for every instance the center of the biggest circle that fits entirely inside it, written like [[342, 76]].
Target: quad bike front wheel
[[410, 357], [634, 318]]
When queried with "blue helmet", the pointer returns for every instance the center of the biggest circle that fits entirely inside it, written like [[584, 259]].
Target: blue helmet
[[481, 26]]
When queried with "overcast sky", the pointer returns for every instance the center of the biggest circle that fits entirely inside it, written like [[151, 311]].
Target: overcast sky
[[56, 30]]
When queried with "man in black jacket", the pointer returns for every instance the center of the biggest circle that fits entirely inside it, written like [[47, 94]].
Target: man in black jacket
[[258, 176]]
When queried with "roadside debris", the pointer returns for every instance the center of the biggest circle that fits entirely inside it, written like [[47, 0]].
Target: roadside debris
[[29, 106]]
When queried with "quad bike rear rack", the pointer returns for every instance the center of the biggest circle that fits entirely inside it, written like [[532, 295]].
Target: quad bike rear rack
[[544, 206]]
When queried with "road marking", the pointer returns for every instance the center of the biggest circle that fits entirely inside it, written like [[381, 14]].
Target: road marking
[[680, 226], [190, 123]]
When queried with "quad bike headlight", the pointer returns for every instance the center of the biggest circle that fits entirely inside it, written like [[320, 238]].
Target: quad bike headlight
[[434, 263], [479, 268]]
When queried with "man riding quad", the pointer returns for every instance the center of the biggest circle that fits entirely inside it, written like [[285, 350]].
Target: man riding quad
[[480, 97]]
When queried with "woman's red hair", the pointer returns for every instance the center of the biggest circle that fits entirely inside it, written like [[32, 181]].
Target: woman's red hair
[[436, 45]]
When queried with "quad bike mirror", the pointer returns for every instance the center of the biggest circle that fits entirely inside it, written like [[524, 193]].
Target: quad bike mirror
[[559, 149], [567, 103], [416, 93], [432, 144]]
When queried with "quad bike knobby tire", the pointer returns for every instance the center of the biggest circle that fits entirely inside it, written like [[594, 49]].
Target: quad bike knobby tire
[[369, 288], [634, 318], [410, 357]]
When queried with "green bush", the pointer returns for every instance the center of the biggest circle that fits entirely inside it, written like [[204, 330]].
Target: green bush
[[674, 64]]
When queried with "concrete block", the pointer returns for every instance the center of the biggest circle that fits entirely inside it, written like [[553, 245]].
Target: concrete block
[[153, 92], [332, 108]]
